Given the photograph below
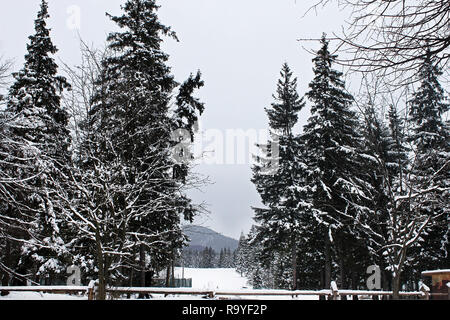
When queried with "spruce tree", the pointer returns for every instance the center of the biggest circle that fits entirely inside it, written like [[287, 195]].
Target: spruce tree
[[280, 222], [34, 102], [242, 255], [139, 197], [386, 167], [221, 263], [397, 217], [430, 166], [333, 160]]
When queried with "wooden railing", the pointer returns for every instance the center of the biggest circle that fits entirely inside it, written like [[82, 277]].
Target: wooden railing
[[331, 294]]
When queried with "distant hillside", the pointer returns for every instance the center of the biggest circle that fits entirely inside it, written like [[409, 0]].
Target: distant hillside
[[202, 237]]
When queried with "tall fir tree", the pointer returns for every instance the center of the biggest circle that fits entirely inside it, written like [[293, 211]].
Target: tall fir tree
[[430, 166], [333, 160], [386, 168], [242, 259], [133, 148], [398, 215], [280, 222], [34, 102]]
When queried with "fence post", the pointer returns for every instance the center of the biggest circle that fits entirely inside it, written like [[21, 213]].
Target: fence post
[[334, 291], [91, 290], [448, 287], [426, 291]]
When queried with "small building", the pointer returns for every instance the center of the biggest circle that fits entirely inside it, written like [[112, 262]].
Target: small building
[[440, 283], [175, 281]]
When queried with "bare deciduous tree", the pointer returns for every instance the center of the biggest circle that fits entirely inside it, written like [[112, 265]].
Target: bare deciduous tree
[[398, 219], [392, 36], [114, 233], [5, 67]]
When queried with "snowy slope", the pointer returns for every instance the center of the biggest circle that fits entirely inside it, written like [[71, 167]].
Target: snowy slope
[[201, 237], [224, 279]]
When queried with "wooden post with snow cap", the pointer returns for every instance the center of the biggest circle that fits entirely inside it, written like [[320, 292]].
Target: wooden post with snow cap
[[448, 288], [426, 291], [91, 290], [334, 291]]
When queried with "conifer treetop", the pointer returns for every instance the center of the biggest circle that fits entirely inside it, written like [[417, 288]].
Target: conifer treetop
[[428, 105], [37, 88], [284, 112], [327, 82], [141, 28], [38, 60]]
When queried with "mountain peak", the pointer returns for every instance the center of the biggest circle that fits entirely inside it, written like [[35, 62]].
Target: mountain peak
[[202, 237]]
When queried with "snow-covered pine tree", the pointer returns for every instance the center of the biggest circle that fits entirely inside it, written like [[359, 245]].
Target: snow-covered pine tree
[[185, 120], [16, 155], [40, 123], [131, 185], [88, 213], [9, 251], [334, 163], [386, 167], [280, 222], [430, 166], [241, 262], [208, 258], [397, 219], [259, 270]]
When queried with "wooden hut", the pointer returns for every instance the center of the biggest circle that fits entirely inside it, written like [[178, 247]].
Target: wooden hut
[[440, 283]]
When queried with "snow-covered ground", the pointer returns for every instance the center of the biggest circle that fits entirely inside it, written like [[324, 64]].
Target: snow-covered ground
[[226, 280], [202, 279], [213, 279], [40, 296]]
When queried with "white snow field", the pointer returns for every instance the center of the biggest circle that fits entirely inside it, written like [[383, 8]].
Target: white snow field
[[40, 296], [217, 280], [213, 279], [227, 280]]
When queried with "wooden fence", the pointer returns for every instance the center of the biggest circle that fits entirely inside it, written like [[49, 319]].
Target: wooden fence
[[331, 294]]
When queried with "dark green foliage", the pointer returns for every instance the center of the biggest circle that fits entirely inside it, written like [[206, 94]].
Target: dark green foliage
[[280, 221], [431, 168], [39, 155]]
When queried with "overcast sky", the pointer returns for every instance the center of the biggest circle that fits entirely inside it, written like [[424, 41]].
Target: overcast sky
[[239, 45]]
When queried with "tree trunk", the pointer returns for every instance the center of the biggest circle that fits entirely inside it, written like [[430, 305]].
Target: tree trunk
[[342, 274], [168, 276], [142, 265], [6, 277], [354, 284], [101, 294], [294, 263], [396, 286], [130, 284], [101, 290], [342, 271], [173, 271], [397, 274], [327, 263], [142, 271], [385, 281]]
